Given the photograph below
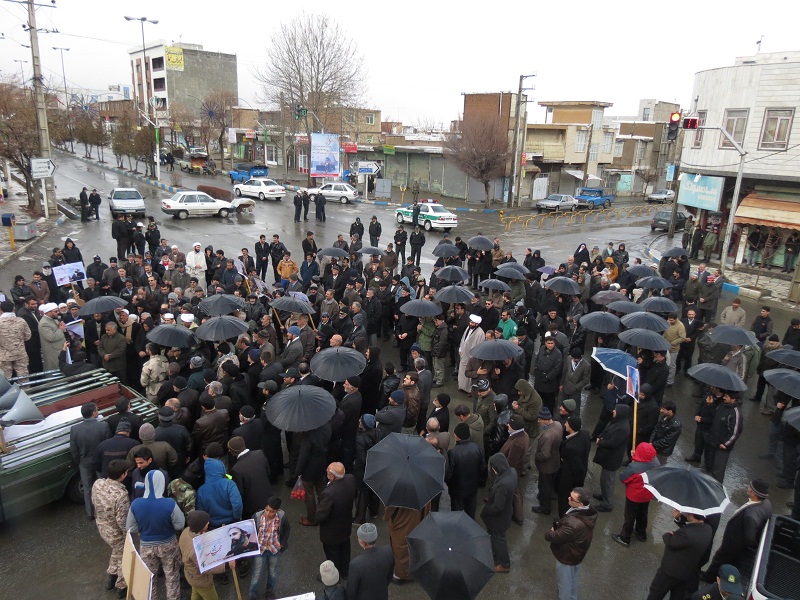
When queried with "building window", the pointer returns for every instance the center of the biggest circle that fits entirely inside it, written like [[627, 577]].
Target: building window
[[641, 150], [608, 140], [619, 146], [597, 119], [160, 84], [734, 123], [698, 134], [271, 154], [369, 139], [645, 114], [158, 63], [580, 140], [593, 152], [370, 119], [776, 128]]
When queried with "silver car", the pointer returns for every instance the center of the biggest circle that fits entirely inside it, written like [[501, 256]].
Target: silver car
[[125, 201], [198, 204], [661, 196], [557, 203], [343, 192]]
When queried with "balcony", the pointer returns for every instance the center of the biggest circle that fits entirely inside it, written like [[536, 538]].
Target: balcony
[[548, 151]]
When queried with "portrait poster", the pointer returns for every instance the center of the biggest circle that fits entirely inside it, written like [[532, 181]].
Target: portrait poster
[[218, 546], [632, 385], [324, 155], [69, 273]]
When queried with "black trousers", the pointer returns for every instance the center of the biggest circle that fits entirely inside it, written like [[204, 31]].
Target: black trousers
[[416, 254], [261, 269], [468, 504], [339, 555], [664, 584], [546, 487], [635, 519]]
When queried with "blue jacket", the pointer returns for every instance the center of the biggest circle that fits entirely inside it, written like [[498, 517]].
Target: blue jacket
[[307, 271], [219, 496], [155, 518]]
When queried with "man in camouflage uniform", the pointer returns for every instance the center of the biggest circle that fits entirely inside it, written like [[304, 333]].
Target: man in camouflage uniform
[[14, 332], [111, 504], [183, 494]]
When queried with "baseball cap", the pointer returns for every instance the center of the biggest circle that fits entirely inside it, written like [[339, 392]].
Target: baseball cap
[[730, 580]]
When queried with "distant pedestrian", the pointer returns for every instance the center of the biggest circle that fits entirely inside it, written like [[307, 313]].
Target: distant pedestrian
[[375, 229], [570, 538], [84, 200], [306, 203], [94, 205], [320, 201], [298, 206]]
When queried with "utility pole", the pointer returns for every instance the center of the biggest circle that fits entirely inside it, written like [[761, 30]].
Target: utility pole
[[66, 97], [588, 151], [41, 110], [517, 146]]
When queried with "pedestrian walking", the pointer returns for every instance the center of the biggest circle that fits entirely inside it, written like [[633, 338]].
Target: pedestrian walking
[[111, 505], [570, 539]]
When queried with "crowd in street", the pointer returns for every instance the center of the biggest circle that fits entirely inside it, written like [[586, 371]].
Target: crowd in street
[[213, 457]]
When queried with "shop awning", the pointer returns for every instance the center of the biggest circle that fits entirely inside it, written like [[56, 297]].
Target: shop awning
[[579, 175], [770, 209]]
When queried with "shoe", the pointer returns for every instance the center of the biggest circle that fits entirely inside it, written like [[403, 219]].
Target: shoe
[[307, 523], [539, 510], [619, 539], [603, 508], [224, 579], [518, 521], [501, 569], [692, 458], [597, 496], [397, 581], [754, 399], [767, 412], [766, 456], [642, 537], [122, 592], [111, 582]]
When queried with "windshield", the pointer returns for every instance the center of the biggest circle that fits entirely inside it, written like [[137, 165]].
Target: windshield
[[588, 192], [554, 197], [662, 191], [439, 209], [127, 195]]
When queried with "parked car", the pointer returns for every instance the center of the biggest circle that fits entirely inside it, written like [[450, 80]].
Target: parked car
[[592, 198], [343, 192], [663, 217], [261, 188], [432, 215], [191, 203], [244, 171], [125, 201], [776, 569], [661, 196], [557, 203]]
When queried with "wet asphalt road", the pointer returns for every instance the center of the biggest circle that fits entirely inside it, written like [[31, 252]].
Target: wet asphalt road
[[54, 552]]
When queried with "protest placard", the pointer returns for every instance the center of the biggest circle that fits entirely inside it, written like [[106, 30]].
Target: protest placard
[[218, 546], [136, 574], [71, 272]]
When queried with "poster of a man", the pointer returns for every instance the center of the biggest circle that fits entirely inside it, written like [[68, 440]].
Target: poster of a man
[[324, 155], [71, 272], [218, 546], [240, 541]]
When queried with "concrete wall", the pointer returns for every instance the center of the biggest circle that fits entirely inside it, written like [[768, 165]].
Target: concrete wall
[[203, 73]]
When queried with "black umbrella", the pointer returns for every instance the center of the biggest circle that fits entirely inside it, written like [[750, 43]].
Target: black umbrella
[[101, 304], [732, 335], [453, 294], [217, 329], [337, 364], [452, 273], [546, 270], [421, 308], [494, 284], [675, 252], [300, 408], [480, 242], [653, 283], [625, 306], [641, 271], [495, 350], [510, 274], [337, 252], [792, 417], [515, 265], [717, 376], [563, 285], [608, 296], [404, 470], [659, 304], [445, 250], [645, 320], [291, 304], [643, 338], [686, 489], [371, 250], [176, 336], [600, 322], [221, 304], [786, 356], [451, 556], [785, 380]]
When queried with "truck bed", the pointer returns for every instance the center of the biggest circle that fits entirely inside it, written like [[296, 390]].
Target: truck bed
[[777, 574]]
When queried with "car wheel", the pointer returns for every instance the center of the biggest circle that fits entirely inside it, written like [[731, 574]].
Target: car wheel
[[558, 209], [223, 212], [182, 214], [447, 229], [572, 208], [343, 199], [427, 226], [607, 204], [238, 192], [261, 195], [539, 210], [74, 491], [399, 218]]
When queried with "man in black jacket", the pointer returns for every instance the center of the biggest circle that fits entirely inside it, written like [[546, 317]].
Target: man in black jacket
[[84, 437], [694, 328], [120, 231], [177, 436], [371, 572], [464, 465], [417, 241], [547, 372], [250, 473], [496, 515], [400, 239], [375, 230], [666, 432], [611, 445], [657, 375], [335, 516], [574, 455], [277, 250], [721, 438]]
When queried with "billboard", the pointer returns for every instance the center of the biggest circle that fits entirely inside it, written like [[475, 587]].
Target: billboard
[[701, 191], [173, 58], [324, 155]]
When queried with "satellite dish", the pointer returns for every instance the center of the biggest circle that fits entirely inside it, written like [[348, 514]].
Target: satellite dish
[[24, 410]]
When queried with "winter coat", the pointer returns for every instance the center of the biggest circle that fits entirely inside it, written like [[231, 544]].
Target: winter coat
[[646, 419], [727, 425], [312, 460], [516, 450], [52, 341], [14, 332], [219, 496], [530, 403], [644, 459], [547, 370], [496, 514], [666, 434], [154, 373], [571, 535], [613, 440], [574, 455], [547, 457], [464, 465]]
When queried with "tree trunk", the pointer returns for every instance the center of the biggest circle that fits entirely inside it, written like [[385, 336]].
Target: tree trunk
[[487, 202], [222, 150]]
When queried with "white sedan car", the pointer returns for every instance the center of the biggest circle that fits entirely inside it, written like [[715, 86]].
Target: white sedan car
[[557, 203], [261, 188], [199, 204], [661, 196], [343, 192]]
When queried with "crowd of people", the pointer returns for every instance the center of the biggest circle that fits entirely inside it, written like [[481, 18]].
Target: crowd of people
[[213, 456]]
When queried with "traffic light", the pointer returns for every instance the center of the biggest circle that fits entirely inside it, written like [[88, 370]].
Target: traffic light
[[674, 126], [691, 123], [297, 109]]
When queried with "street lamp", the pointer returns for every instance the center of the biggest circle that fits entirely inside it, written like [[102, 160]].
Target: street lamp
[[145, 103], [66, 97], [21, 72]]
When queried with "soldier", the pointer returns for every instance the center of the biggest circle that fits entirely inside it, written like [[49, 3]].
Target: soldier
[[111, 504]]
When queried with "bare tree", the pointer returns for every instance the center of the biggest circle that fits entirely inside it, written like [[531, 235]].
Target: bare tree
[[216, 111], [19, 141], [648, 176], [314, 64], [480, 150]]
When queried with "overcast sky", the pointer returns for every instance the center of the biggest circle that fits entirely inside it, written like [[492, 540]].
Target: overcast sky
[[421, 56]]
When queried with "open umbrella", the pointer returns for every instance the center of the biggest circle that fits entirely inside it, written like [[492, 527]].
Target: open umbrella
[[686, 489], [495, 350], [675, 252], [659, 304], [453, 294], [614, 361], [515, 265], [217, 329], [625, 306], [786, 356], [644, 338], [735, 336], [645, 320], [452, 273], [546, 270], [299, 296], [172, 336], [300, 408], [101, 304], [509, 273], [785, 380], [404, 470], [608, 296], [480, 242], [641, 271], [421, 308], [221, 304], [717, 376], [494, 284], [600, 322], [338, 363], [451, 556], [337, 252], [653, 283], [792, 417], [291, 304], [445, 250], [563, 285], [371, 250]]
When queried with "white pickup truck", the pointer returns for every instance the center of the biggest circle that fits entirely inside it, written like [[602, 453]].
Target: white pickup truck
[[776, 570]]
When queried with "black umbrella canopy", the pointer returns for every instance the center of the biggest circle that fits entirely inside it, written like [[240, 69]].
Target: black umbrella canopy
[[453, 294], [445, 250], [509, 273], [717, 376], [371, 250], [643, 338], [101, 304], [659, 304], [516, 266], [217, 329], [785, 380], [686, 489], [300, 408], [563, 285], [337, 364], [221, 304], [480, 242], [600, 322], [291, 304], [337, 252], [735, 336], [608, 296], [421, 308], [645, 320], [450, 555], [654, 283], [786, 356], [452, 273], [494, 284], [404, 470], [625, 306], [641, 271], [172, 336], [792, 417], [495, 350], [675, 252]]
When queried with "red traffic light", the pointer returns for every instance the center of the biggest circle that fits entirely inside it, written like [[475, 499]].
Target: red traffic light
[[675, 117], [691, 123]]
